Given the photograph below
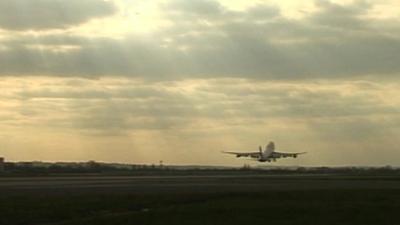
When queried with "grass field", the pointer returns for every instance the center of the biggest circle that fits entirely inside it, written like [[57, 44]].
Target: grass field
[[295, 207], [311, 207]]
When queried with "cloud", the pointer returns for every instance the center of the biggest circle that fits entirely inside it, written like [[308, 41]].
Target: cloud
[[128, 106], [328, 118], [50, 14], [341, 16], [211, 41], [194, 7], [208, 75]]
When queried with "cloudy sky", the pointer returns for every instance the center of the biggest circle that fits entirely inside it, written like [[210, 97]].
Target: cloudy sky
[[181, 80]]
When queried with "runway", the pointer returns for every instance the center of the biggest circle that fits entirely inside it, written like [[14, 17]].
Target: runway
[[197, 183]]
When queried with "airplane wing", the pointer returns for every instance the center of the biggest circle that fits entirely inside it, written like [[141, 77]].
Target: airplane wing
[[285, 155], [245, 154]]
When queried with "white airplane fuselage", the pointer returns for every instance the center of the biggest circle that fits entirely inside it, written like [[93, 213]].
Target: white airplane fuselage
[[267, 155]]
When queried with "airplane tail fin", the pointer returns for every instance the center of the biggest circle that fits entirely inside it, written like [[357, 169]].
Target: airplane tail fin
[[270, 147]]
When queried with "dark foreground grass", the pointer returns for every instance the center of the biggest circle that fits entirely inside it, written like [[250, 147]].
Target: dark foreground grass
[[317, 207]]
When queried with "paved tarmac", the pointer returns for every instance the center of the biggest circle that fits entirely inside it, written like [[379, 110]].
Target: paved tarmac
[[197, 183]]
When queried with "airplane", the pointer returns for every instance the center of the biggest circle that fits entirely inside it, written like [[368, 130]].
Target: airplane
[[268, 155]]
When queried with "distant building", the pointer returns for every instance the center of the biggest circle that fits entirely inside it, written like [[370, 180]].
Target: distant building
[[1, 164]]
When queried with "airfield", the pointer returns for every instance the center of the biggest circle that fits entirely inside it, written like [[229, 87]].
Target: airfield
[[240, 198], [198, 183]]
